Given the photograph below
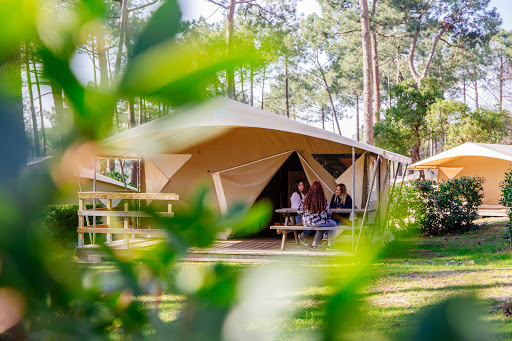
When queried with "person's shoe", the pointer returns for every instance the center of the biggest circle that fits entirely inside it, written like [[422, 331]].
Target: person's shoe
[[315, 247], [332, 248], [303, 240]]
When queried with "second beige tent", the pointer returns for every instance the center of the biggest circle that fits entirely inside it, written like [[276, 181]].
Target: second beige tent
[[489, 161]]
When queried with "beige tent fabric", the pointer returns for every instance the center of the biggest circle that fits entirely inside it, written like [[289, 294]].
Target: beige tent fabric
[[218, 115], [230, 144], [315, 172], [490, 161], [492, 169], [160, 168], [451, 172], [503, 152], [245, 182], [346, 178]]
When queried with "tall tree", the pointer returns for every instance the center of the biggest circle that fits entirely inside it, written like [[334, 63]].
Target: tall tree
[[367, 71], [26, 58]]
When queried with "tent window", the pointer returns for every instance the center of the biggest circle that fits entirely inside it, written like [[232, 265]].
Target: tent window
[[335, 164]]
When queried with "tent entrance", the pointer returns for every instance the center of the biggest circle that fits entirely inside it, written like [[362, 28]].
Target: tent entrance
[[279, 188]]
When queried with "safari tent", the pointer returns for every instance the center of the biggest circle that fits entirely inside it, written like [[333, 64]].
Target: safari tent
[[490, 161], [245, 153]]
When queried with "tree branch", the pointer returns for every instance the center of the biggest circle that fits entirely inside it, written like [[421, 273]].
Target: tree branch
[[217, 3], [142, 6]]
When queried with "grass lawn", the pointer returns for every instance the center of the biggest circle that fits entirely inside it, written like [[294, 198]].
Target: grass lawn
[[409, 276]]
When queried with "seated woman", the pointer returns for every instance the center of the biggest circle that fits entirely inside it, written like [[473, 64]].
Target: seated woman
[[297, 197], [316, 212], [340, 199]]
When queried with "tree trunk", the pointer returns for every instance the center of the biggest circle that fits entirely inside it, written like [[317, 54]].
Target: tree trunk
[[476, 94], [323, 117], [263, 87], [415, 152], [398, 65], [286, 86], [418, 78], [41, 111], [111, 165], [140, 110], [357, 117], [131, 114], [94, 61], [58, 103], [37, 150], [501, 82], [230, 75], [464, 88], [122, 31], [375, 78], [252, 87], [335, 117], [367, 71], [242, 84], [102, 58]]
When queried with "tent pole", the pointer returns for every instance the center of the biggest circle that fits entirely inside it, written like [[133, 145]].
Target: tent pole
[[377, 164], [353, 196], [399, 193], [390, 202], [94, 200]]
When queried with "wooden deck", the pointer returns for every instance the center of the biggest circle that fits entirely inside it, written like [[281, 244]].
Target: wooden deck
[[231, 250], [492, 211]]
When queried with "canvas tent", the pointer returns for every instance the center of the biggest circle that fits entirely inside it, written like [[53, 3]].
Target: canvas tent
[[490, 161], [237, 149]]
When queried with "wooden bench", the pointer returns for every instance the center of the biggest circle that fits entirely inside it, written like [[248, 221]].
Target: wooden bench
[[284, 230]]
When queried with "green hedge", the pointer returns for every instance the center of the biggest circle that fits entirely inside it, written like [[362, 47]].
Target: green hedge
[[436, 208], [61, 222], [506, 200]]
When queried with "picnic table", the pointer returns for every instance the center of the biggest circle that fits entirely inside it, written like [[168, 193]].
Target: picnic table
[[290, 214]]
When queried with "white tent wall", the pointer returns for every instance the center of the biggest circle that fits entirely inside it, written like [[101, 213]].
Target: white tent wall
[[346, 178], [246, 182]]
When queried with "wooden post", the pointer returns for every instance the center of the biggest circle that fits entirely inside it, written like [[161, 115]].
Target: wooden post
[[126, 227], [109, 220], [81, 223]]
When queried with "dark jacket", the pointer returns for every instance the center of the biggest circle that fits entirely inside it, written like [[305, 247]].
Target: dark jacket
[[336, 203]]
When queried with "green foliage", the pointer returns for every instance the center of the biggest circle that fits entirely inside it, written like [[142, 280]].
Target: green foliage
[[404, 124], [506, 200], [117, 176], [408, 211], [60, 223], [481, 126], [451, 205]]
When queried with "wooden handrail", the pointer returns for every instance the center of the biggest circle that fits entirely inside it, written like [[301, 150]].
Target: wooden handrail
[[140, 196]]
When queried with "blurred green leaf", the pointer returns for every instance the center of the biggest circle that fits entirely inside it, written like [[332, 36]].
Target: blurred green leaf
[[164, 24]]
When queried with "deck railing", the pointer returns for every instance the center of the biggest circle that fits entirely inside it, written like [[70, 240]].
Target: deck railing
[[126, 217]]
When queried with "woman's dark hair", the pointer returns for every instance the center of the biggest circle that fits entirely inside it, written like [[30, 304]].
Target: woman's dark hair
[[315, 200], [296, 186]]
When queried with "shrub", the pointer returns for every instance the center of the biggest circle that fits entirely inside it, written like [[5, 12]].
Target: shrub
[[451, 206], [61, 221], [436, 208], [506, 200], [408, 213]]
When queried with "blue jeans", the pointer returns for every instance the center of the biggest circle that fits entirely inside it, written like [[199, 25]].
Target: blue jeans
[[319, 233]]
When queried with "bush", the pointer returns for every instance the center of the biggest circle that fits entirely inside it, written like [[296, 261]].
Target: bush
[[408, 216], [437, 208], [61, 222], [506, 200], [451, 206]]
